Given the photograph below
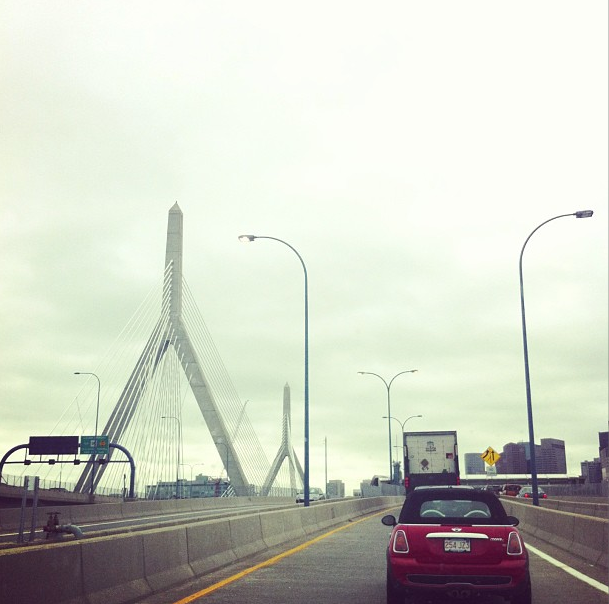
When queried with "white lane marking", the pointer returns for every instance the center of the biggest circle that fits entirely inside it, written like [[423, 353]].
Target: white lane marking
[[600, 586]]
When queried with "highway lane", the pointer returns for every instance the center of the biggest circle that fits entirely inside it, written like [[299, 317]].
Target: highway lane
[[345, 566]]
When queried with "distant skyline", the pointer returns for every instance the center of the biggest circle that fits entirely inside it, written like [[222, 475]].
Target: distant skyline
[[406, 150]]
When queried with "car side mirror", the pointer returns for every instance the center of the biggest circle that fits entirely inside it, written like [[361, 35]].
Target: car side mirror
[[512, 520], [389, 520]]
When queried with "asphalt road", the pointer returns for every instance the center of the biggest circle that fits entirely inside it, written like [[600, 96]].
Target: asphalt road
[[347, 566]]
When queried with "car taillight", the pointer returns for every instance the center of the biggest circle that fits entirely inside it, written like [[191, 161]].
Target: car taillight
[[514, 545], [526, 495], [544, 496], [400, 543]]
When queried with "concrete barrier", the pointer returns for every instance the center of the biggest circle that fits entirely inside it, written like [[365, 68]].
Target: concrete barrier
[[282, 526], [166, 558], [113, 569], [102, 512], [42, 574], [591, 506], [246, 535], [599, 510], [209, 546], [584, 536]]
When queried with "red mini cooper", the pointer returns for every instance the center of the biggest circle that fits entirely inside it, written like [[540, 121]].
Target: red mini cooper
[[455, 541]]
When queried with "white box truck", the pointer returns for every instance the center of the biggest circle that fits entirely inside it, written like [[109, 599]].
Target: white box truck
[[430, 458]]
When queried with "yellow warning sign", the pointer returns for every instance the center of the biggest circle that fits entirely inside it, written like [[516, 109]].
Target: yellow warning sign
[[490, 456]]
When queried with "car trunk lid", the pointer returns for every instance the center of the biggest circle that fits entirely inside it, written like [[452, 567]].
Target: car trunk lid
[[458, 544]]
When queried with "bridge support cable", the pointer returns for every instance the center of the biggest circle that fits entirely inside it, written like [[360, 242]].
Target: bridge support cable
[[145, 368], [237, 431], [152, 439]]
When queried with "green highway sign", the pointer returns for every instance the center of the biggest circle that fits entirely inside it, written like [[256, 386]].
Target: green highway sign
[[87, 445]]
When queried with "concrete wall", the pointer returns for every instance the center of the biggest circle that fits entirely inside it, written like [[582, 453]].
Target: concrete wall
[[117, 569], [592, 507], [584, 536]]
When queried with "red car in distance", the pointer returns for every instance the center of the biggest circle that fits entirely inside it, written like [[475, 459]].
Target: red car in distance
[[455, 542]]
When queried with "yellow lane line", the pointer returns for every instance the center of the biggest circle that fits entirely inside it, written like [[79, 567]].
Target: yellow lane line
[[270, 561]]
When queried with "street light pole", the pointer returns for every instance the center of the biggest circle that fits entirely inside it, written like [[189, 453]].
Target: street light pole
[[190, 490], [402, 424], [96, 424], [246, 238], [579, 214], [326, 464], [226, 446], [388, 386], [178, 453]]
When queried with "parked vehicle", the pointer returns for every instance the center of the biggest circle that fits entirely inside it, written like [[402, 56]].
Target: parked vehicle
[[527, 493], [430, 458], [455, 542], [510, 490], [315, 494]]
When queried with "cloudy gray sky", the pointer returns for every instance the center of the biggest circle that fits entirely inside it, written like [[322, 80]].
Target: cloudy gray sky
[[405, 149]]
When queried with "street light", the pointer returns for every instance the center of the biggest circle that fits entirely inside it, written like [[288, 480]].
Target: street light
[[96, 422], [388, 386], [402, 424], [579, 214], [178, 454], [248, 238]]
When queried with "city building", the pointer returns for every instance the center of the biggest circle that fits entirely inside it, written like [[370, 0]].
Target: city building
[[202, 486], [603, 447], [551, 457], [335, 489], [474, 464], [513, 459], [591, 471]]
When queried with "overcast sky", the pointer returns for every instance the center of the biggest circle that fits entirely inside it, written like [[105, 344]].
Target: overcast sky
[[405, 149]]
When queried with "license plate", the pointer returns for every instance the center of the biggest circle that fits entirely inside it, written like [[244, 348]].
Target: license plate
[[459, 546]]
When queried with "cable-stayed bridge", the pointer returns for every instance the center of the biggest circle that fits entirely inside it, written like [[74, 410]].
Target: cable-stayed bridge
[[165, 354]]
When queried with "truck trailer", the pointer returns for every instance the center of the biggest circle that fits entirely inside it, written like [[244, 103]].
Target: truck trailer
[[430, 458]]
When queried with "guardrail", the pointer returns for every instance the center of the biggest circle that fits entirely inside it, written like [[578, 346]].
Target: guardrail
[[121, 568]]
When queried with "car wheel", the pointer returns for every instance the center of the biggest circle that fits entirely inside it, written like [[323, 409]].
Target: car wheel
[[393, 596], [524, 597]]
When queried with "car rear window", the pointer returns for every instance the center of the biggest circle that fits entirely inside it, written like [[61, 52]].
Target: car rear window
[[446, 506]]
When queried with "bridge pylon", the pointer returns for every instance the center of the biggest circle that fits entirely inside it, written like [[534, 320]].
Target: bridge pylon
[[286, 450], [171, 332]]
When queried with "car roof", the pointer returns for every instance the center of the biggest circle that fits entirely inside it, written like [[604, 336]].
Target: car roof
[[411, 510]]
